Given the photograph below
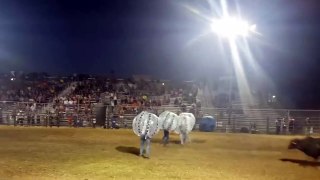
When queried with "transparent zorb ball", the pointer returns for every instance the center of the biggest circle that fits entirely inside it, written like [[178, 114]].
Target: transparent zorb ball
[[186, 123], [145, 123], [168, 120]]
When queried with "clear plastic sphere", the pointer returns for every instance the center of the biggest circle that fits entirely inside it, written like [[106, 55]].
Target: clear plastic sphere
[[145, 123], [186, 123], [168, 120]]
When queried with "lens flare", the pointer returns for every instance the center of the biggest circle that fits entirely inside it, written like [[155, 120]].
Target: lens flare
[[232, 27]]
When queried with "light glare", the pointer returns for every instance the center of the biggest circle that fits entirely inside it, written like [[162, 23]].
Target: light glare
[[232, 27]]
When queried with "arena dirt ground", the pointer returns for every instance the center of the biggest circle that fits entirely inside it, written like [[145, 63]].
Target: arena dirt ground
[[69, 153]]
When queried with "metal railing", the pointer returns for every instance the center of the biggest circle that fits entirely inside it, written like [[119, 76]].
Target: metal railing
[[43, 114], [266, 121]]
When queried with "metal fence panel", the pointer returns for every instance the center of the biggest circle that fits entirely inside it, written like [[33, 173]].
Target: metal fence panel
[[269, 121]]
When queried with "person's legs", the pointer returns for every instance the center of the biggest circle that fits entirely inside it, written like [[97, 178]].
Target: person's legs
[[181, 138], [148, 143], [165, 138], [184, 137], [142, 141]]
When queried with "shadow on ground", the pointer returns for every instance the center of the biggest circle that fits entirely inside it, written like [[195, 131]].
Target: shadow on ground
[[195, 141], [302, 162], [161, 142], [198, 141], [129, 150]]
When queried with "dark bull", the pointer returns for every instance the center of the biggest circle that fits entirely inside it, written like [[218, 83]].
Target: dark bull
[[309, 146]]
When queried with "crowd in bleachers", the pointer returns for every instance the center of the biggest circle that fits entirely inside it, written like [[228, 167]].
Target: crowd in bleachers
[[72, 96], [23, 90], [44, 89]]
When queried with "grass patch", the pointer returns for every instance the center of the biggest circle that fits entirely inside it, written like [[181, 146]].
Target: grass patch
[[81, 153]]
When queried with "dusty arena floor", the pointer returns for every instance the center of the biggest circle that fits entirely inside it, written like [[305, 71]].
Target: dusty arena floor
[[68, 153]]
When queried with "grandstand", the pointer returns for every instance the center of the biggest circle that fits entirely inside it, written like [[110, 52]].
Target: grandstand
[[96, 100]]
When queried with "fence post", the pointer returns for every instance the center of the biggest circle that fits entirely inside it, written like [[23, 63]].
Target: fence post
[[234, 123], [268, 125], [1, 119], [108, 116], [228, 127], [287, 123]]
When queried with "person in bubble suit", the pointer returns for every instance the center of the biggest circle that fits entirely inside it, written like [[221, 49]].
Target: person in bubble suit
[[168, 122], [145, 125], [186, 124]]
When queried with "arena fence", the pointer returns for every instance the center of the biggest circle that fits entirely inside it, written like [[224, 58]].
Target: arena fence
[[266, 121], [45, 114]]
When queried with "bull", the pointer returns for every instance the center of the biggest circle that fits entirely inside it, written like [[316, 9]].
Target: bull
[[309, 146]]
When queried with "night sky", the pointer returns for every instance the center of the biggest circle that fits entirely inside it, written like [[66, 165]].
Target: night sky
[[153, 37]]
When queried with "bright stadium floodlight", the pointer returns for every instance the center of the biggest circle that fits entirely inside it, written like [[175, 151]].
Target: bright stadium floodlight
[[232, 27]]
